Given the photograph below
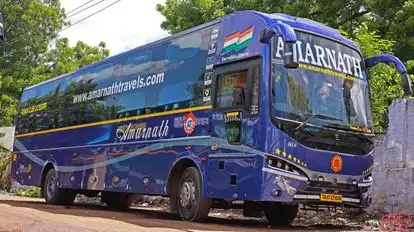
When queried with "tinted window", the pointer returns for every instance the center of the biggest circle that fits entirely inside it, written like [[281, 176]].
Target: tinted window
[[329, 83], [166, 76], [170, 77], [36, 108]]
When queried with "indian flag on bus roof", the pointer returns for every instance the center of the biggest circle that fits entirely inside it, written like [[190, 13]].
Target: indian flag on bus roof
[[239, 40]]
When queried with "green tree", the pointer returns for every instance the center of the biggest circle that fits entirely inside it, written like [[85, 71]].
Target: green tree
[[63, 59], [183, 14], [31, 27], [385, 82]]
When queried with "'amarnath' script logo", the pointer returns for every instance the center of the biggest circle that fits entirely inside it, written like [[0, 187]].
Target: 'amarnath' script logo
[[141, 131], [316, 55]]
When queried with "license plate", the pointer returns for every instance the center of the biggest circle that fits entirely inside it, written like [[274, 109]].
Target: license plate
[[331, 197]]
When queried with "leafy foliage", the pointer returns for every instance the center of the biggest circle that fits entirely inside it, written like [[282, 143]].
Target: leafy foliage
[[378, 26], [33, 52], [5, 159], [63, 59], [183, 14], [383, 79]]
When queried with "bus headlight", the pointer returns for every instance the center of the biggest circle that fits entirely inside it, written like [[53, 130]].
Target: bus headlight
[[279, 164]]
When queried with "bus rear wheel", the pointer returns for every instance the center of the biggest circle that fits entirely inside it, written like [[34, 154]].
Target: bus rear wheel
[[53, 194], [118, 200], [280, 214], [192, 205]]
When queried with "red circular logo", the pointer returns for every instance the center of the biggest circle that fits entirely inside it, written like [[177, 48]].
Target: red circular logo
[[336, 163], [189, 123]]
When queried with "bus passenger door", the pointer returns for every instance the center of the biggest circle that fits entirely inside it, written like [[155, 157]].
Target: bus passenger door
[[235, 101]]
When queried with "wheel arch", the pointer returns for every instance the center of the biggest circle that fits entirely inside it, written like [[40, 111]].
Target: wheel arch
[[50, 164], [178, 169]]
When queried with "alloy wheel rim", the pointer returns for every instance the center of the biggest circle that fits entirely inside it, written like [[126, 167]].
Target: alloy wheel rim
[[187, 194], [50, 189]]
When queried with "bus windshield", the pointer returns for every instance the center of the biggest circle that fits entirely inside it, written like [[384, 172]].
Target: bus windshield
[[329, 88]]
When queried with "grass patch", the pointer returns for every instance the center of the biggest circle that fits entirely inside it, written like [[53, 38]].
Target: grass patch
[[33, 192]]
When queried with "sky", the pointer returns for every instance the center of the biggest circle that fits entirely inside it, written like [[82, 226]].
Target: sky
[[123, 26]]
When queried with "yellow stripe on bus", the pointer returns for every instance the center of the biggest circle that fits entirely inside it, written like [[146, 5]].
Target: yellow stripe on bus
[[119, 120]]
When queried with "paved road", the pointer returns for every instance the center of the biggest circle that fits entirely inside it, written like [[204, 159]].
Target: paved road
[[19, 214]]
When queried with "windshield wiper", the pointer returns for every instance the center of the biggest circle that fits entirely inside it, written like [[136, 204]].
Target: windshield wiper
[[355, 133], [311, 116]]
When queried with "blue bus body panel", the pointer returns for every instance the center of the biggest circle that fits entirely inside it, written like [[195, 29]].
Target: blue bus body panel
[[136, 153]]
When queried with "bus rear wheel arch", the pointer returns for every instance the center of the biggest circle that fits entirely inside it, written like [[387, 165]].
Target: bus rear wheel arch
[[52, 193]]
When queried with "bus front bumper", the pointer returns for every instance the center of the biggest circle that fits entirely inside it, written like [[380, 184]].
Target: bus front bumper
[[283, 186]]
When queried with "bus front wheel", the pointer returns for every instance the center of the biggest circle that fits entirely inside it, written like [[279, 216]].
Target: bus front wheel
[[280, 214], [55, 195], [192, 205]]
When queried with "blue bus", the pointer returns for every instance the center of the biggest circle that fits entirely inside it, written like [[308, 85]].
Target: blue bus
[[264, 112]]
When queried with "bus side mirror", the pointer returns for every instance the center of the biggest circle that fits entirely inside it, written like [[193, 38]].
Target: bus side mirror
[[393, 62], [289, 57], [406, 82], [289, 38]]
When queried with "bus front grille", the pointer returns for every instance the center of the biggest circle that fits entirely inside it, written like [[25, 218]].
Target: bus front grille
[[317, 187]]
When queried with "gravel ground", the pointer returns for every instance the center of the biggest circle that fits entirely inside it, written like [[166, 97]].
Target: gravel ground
[[149, 214]]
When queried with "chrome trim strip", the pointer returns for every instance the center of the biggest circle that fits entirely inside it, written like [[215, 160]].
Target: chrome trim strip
[[316, 197], [364, 184], [353, 200], [302, 196], [232, 155], [340, 179]]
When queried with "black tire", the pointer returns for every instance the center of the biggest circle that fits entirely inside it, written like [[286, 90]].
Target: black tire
[[280, 214], [118, 200], [192, 205], [53, 194], [173, 205]]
